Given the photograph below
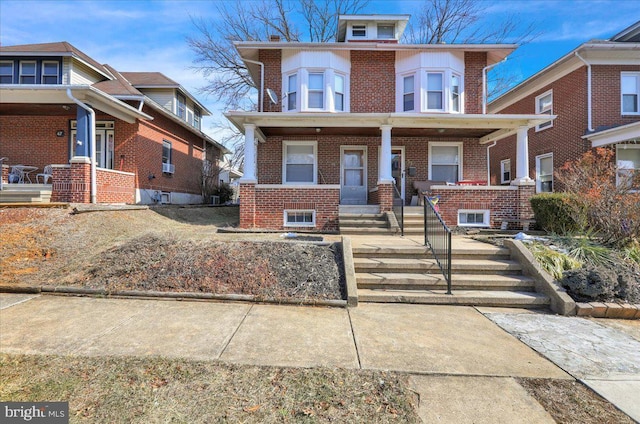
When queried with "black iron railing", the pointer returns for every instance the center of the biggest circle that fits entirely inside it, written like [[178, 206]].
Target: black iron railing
[[398, 208], [437, 236]]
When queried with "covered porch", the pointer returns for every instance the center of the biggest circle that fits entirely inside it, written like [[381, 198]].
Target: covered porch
[[310, 164]]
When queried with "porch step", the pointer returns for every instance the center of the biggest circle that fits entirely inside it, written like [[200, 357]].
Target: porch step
[[406, 281], [512, 299], [362, 223], [422, 252], [458, 266], [25, 193]]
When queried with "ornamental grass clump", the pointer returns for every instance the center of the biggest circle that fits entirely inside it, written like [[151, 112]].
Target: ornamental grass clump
[[553, 261]]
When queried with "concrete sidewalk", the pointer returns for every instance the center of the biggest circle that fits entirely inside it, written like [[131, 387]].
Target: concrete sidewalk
[[454, 350]]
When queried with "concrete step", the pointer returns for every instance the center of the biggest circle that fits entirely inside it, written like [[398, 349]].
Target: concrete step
[[366, 231], [25, 196], [422, 252], [364, 223], [436, 281], [459, 297], [459, 266]]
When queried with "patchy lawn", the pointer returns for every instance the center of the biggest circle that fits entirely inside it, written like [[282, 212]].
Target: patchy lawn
[[101, 390], [162, 249]]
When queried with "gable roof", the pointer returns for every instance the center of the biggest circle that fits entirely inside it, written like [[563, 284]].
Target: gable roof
[[630, 34], [118, 86], [149, 79]]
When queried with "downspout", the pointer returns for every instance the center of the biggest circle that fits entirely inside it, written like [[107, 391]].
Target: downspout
[[489, 163], [260, 95], [94, 185], [484, 85], [589, 122]]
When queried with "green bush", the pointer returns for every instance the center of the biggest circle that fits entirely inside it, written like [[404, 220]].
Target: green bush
[[556, 212], [225, 192]]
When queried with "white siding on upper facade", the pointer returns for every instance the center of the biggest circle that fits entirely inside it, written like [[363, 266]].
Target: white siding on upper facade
[[83, 75], [298, 58], [409, 60], [164, 97], [66, 70]]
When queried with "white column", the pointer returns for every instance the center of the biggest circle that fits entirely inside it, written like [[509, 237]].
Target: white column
[[384, 170], [249, 171], [522, 156]]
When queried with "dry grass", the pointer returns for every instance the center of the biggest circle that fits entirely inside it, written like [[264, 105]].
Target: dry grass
[[127, 390]]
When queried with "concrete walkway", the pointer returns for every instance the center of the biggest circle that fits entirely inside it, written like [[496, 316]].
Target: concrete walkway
[[452, 350]]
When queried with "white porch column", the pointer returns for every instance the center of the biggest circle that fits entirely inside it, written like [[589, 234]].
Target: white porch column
[[522, 156], [384, 169], [249, 171]]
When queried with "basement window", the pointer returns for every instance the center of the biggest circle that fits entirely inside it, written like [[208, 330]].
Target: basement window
[[473, 218], [299, 218]]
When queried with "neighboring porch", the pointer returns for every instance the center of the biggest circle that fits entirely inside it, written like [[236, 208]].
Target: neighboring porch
[[302, 171]]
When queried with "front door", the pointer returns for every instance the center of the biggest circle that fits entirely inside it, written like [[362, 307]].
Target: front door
[[397, 168], [353, 175]]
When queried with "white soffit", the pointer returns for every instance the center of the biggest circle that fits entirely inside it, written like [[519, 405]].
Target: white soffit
[[615, 135]]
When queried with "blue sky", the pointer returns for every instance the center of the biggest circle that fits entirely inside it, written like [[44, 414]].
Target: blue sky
[[145, 35]]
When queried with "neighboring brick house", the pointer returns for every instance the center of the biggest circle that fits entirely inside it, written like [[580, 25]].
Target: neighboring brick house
[[594, 91], [343, 125], [149, 146]]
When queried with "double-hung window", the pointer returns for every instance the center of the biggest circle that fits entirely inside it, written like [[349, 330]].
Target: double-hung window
[[630, 89], [435, 91], [544, 106], [197, 118], [316, 90], [300, 162], [6, 72], [339, 93], [544, 173], [386, 31], [359, 31], [628, 162], [408, 96], [50, 72], [292, 92], [27, 72], [167, 167], [455, 93], [505, 171], [445, 162], [182, 106]]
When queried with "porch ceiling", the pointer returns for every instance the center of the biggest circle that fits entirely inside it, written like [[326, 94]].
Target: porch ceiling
[[375, 132], [21, 109]]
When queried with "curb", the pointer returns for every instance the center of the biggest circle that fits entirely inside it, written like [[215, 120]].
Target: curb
[[608, 310], [77, 291]]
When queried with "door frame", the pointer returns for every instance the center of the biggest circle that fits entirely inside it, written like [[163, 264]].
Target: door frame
[[403, 176], [365, 155]]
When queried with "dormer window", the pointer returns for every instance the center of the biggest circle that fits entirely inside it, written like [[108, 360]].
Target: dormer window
[[386, 31], [6, 72], [197, 118], [50, 72], [27, 72], [181, 109], [359, 31]]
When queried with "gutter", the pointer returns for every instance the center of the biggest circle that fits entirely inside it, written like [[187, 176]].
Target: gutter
[[92, 113], [590, 123], [261, 93], [484, 85]]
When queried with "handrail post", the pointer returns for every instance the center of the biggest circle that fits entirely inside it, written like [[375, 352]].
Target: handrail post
[[449, 263]]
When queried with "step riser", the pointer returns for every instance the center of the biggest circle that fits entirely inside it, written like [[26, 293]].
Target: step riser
[[381, 224], [436, 270], [441, 286], [453, 301], [428, 255]]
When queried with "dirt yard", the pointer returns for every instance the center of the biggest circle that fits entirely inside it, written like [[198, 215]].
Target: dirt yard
[[163, 249]]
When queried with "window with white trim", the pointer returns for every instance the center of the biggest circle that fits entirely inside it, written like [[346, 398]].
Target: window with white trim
[[408, 94], [181, 108], [386, 31], [50, 70], [166, 157], [316, 90], [505, 171], [473, 218], [197, 118], [6, 72], [338, 100], [435, 91], [455, 93], [359, 31], [299, 218], [445, 161], [300, 162], [544, 173], [27, 72], [292, 92], [630, 92], [628, 162], [544, 106]]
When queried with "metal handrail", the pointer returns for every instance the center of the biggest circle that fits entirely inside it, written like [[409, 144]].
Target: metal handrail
[[400, 219], [437, 236]]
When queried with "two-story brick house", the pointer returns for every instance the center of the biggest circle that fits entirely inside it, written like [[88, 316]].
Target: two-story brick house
[[594, 91], [56, 102], [347, 123]]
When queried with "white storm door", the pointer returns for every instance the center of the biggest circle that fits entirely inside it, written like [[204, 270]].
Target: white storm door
[[353, 175], [397, 168]]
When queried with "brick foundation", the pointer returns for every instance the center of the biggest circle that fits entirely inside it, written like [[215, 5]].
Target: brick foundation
[[385, 196], [500, 201], [115, 186]]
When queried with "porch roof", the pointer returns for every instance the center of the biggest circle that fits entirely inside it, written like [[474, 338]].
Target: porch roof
[[622, 133], [487, 128], [57, 94]]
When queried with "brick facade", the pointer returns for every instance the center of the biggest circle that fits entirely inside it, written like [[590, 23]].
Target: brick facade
[[115, 186], [474, 62], [373, 81]]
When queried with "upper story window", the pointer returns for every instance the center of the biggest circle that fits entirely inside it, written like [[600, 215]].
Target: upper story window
[[630, 90], [181, 110], [6, 72], [359, 31], [386, 31], [197, 118], [316, 90], [339, 93], [408, 93], [300, 162], [435, 91], [455, 93], [27, 72], [50, 72], [544, 105], [292, 92]]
